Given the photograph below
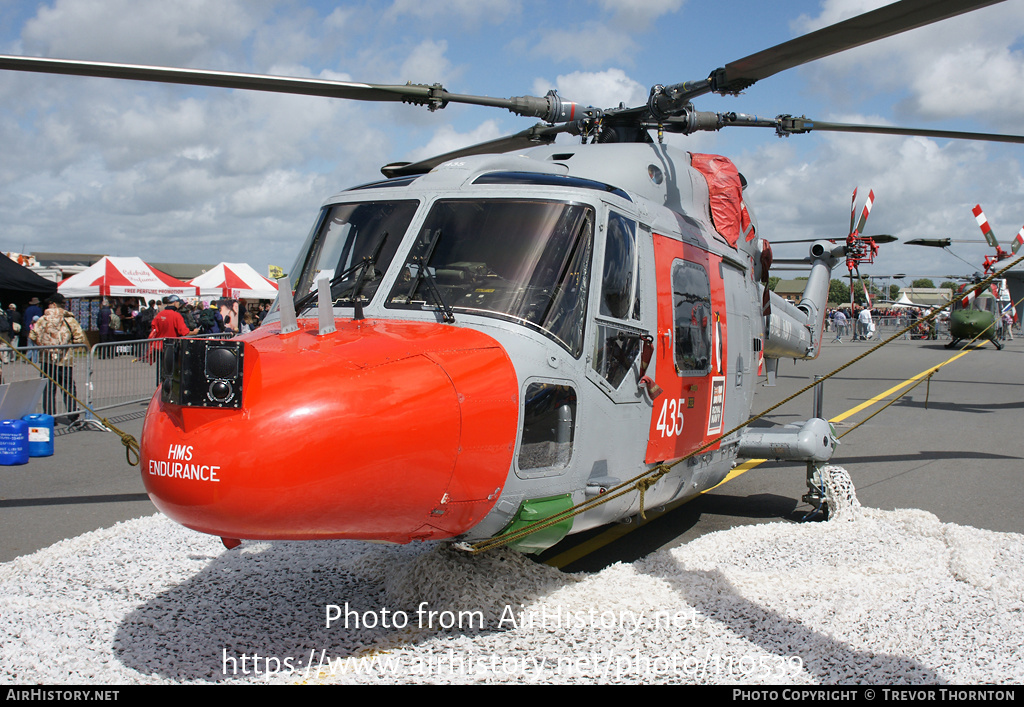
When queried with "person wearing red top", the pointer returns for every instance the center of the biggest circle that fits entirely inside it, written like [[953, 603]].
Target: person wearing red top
[[167, 324]]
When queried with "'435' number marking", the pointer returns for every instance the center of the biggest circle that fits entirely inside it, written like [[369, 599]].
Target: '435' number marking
[[670, 419]]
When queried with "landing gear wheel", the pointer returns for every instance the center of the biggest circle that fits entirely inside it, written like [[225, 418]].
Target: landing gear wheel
[[819, 509]]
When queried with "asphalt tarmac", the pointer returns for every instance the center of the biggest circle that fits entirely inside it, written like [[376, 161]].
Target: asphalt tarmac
[[87, 484], [952, 446]]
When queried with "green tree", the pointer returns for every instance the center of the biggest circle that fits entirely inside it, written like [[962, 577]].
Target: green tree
[[773, 281], [838, 292], [922, 282], [858, 292]]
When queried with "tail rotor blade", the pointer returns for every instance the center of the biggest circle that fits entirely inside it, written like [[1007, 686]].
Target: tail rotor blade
[[867, 210], [986, 231], [1018, 241], [853, 210]]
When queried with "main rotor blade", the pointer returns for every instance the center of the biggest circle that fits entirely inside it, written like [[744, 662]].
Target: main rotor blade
[[931, 242], [882, 239], [549, 108], [890, 130], [790, 125], [854, 32], [537, 135], [941, 242], [220, 79]]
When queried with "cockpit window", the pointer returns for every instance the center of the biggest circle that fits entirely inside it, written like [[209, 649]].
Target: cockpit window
[[618, 284], [525, 260], [616, 348], [347, 235]]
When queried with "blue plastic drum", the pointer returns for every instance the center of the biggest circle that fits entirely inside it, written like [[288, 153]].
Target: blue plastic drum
[[40, 435], [13, 442]]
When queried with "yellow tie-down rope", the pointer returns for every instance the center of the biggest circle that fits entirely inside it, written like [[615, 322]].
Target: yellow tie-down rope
[[646, 479]]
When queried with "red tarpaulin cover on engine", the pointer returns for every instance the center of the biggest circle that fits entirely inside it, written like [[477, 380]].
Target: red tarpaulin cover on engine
[[726, 196]]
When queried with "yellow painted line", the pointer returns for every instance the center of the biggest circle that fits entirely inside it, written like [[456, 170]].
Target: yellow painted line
[[739, 470], [595, 543], [904, 384], [621, 530]]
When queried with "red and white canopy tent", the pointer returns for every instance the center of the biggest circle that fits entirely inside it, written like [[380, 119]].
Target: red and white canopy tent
[[124, 277], [234, 281]]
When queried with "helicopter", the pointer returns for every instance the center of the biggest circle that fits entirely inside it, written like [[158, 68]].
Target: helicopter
[[977, 312], [497, 334], [860, 249]]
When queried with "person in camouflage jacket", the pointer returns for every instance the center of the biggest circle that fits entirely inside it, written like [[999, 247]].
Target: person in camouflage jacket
[[58, 328]]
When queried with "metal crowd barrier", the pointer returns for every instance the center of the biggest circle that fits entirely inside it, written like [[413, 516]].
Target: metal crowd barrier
[[15, 368], [105, 376], [885, 327], [122, 372]]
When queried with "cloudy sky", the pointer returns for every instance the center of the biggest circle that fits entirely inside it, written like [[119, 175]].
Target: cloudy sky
[[194, 175]]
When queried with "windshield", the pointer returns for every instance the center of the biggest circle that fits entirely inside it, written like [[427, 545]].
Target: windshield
[[347, 235], [527, 260]]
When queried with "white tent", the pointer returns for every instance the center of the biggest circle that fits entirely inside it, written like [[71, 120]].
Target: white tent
[[234, 281], [903, 302], [123, 277], [923, 297]]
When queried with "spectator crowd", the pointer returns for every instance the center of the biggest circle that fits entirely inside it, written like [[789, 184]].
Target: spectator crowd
[[129, 318]]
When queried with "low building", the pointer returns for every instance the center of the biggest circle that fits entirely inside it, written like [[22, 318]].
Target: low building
[[925, 296], [791, 290]]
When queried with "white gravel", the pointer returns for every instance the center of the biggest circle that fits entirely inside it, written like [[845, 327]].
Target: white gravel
[[868, 597]]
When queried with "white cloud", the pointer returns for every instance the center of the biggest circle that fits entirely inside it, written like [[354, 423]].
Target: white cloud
[[601, 89], [967, 66], [592, 44], [468, 12], [972, 80], [138, 31], [639, 14], [447, 139], [338, 20], [174, 173], [833, 11], [923, 189], [273, 193], [426, 63]]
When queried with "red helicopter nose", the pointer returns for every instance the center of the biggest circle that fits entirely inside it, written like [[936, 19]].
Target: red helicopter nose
[[381, 430]]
